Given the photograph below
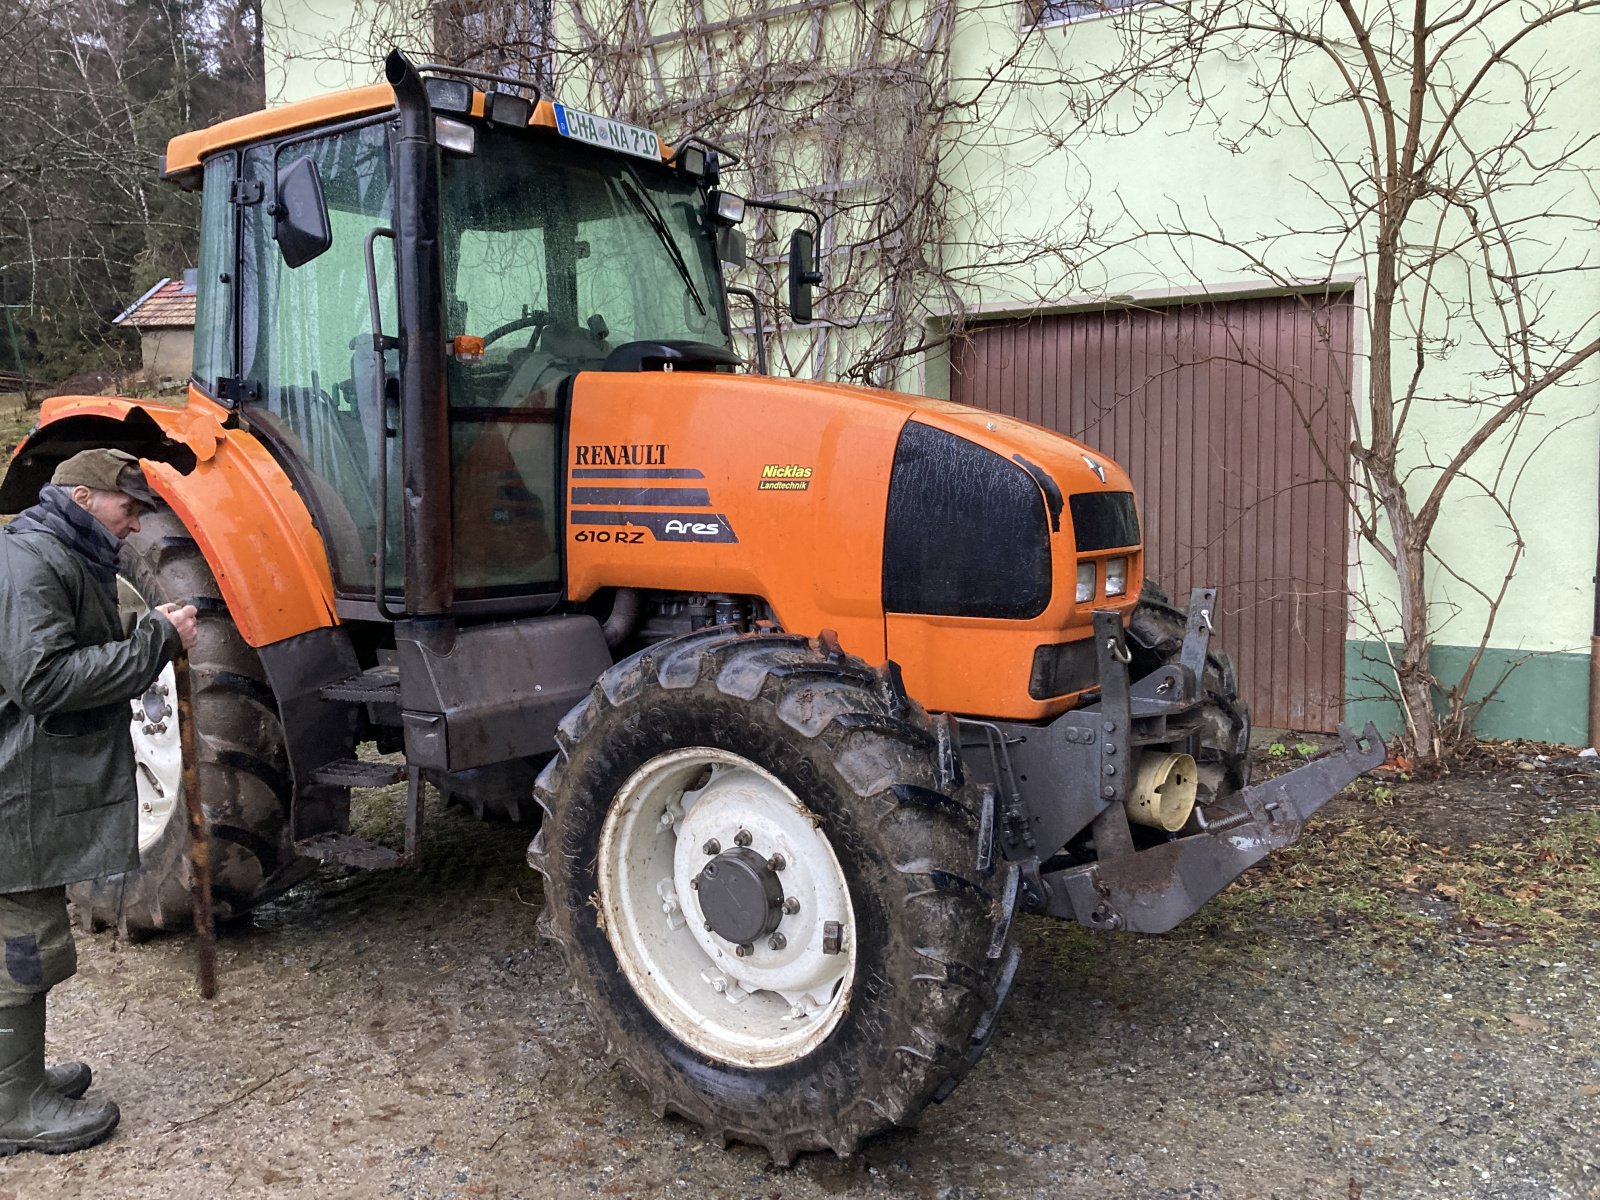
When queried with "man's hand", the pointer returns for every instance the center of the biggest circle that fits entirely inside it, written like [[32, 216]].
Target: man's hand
[[183, 620]]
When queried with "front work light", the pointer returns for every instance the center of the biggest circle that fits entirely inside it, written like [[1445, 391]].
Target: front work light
[[455, 136], [449, 95], [505, 109], [728, 208]]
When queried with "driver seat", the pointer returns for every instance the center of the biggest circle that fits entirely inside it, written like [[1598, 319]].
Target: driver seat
[[562, 350]]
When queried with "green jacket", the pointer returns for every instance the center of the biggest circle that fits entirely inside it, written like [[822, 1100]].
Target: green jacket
[[68, 808]]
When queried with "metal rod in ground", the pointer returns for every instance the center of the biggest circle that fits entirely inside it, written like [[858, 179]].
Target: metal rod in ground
[[205, 927]]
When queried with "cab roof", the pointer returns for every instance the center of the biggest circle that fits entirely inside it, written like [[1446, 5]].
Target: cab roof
[[186, 151]]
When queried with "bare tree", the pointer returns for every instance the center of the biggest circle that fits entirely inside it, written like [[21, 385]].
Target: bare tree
[[95, 88]]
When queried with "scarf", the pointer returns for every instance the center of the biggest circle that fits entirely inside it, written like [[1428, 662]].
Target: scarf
[[77, 529]]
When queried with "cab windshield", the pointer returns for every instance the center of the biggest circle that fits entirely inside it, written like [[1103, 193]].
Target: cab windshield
[[554, 254]]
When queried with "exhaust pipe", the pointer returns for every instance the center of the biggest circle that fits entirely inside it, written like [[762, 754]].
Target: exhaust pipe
[[1163, 792]]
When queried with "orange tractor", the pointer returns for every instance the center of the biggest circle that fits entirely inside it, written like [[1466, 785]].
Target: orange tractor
[[469, 469]]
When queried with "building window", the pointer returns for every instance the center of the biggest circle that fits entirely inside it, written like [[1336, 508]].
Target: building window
[[1057, 12]]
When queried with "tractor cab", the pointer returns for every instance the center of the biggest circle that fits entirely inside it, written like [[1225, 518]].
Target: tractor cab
[[396, 303]]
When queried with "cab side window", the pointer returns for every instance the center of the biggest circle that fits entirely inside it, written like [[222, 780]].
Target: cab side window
[[306, 342]]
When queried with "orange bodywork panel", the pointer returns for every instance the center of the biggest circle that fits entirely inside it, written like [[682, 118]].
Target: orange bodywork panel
[[241, 509], [665, 474], [980, 666], [185, 152], [697, 482]]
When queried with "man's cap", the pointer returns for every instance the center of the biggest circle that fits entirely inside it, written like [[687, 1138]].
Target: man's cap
[[106, 470]]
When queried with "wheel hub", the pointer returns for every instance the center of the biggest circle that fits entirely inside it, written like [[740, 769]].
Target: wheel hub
[[157, 750], [734, 963], [740, 895], [153, 704]]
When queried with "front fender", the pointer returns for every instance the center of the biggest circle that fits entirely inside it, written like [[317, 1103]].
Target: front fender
[[236, 501]]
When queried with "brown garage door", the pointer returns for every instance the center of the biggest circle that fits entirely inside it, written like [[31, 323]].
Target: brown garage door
[[1232, 419]]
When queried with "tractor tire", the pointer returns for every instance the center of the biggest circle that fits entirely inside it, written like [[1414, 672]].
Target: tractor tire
[[1155, 638], [243, 769], [810, 780]]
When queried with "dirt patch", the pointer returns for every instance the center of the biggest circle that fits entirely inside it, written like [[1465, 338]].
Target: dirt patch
[[406, 1034]]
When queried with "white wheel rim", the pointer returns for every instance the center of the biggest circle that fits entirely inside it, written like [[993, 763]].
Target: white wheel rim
[[157, 750], [780, 1001]]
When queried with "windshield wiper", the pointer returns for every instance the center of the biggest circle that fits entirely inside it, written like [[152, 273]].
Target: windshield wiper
[[647, 208]]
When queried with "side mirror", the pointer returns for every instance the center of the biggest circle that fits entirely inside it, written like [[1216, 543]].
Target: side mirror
[[803, 274], [300, 218]]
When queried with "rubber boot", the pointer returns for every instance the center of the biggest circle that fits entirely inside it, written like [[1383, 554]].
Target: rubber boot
[[33, 1115], [70, 1079]]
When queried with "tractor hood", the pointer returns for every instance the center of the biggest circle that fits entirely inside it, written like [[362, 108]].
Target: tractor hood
[[904, 524]]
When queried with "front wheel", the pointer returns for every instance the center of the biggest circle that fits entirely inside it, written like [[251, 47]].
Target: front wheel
[[766, 877]]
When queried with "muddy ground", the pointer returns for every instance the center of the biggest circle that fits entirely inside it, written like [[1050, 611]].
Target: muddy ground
[[1378, 1015]]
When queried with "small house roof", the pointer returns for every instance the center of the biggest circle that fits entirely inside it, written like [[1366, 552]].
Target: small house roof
[[168, 305]]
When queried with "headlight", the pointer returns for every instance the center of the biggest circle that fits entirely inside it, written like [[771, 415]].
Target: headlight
[[1116, 576], [1085, 582]]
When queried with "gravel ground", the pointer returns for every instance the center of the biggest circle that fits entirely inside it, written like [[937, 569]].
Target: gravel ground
[[405, 1035]]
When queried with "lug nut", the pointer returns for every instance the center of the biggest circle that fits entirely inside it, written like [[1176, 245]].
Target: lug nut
[[712, 847], [777, 942], [695, 882], [708, 927], [791, 906], [742, 838], [744, 949], [777, 862]]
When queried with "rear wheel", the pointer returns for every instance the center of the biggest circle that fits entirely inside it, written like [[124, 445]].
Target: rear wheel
[[243, 768], [765, 874]]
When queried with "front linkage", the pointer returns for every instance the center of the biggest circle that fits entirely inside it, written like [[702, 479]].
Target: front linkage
[[1058, 793]]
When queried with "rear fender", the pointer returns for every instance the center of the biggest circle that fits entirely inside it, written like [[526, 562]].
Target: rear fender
[[233, 497]]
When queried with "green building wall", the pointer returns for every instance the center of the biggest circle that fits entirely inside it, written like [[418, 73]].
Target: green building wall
[[1019, 167]]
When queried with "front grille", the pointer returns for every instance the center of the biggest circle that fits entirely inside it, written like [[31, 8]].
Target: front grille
[[1104, 521], [966, 534]]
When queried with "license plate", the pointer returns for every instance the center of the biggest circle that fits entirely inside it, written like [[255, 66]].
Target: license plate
[[603, 131]]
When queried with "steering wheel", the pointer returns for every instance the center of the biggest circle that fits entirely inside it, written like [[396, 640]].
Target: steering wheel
[[534, 320]]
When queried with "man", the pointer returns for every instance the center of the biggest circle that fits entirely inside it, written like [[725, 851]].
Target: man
[[68, 670]]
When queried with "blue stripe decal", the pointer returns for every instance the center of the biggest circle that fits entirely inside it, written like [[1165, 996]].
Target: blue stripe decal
[[666, 526], [637, 473], [655, 497]]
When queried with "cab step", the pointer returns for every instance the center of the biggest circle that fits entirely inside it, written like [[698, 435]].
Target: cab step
[[376, 685], [352, 852], [356, 773]]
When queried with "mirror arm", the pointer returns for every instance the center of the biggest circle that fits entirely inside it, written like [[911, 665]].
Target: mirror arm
[[778, 206]]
